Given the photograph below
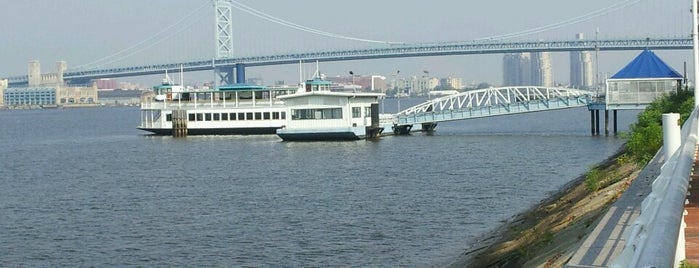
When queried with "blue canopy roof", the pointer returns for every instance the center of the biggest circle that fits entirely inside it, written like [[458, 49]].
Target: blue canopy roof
[[646, 65]]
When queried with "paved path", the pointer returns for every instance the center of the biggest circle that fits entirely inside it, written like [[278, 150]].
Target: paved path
[[607, 240]]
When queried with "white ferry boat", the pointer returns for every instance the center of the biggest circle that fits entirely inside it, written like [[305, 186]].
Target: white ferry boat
[[320, 114], [237, 109]]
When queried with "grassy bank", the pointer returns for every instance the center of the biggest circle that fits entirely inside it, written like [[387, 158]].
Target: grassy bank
[[548, 234]]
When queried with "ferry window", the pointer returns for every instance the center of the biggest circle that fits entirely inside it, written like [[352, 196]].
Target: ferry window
[[192, 117], [258, 116], [241, 116], [208, 116], [248, 116], [267, 115], [283, 115], [356, 112], [200, 117], [168, 117], [275, 115], [337, 113], [224, 116], [217, 116], [367, 111], [302, 114], [231, 116]]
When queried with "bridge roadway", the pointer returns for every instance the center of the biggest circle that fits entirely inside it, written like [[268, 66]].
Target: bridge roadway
[[395, 51]]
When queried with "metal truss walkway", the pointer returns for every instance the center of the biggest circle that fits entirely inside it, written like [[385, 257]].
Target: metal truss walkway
[[488, 102]]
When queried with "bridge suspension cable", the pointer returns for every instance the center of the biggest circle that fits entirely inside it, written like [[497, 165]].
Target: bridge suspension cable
[[289, 24], [182, 25], [560, 24]]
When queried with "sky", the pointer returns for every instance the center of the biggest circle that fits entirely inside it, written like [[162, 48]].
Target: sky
[[117, 33]]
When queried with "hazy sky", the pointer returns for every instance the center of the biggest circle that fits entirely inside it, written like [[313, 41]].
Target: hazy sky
[[113, 33]]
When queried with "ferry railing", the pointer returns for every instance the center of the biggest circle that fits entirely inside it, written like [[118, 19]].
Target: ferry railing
[[202, 104], [655, 234]]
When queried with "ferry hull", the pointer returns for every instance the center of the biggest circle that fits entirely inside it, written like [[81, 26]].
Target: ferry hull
[[216, 131], [316, 136], [326, 134]]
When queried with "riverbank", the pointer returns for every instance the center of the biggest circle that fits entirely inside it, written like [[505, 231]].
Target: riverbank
[[548, 234]]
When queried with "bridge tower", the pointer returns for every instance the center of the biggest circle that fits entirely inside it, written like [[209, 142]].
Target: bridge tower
[[224, 44]]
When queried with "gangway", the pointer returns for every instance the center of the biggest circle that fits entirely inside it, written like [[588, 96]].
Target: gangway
[[489, 102]]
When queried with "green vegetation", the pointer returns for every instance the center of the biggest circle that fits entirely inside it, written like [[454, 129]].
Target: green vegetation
[[593, 179], [685, 264], [646, 135]]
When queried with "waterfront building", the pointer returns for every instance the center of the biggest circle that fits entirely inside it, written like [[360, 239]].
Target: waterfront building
[[423, 85], [33, 96], [451, 83], [641, 82], [3, 86], [106, 83], [48, 90], [582, 72]]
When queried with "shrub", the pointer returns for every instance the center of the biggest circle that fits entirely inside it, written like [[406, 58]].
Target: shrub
[[646, 135]]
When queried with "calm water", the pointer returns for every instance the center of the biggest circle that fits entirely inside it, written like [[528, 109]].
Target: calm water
[[83, 187]]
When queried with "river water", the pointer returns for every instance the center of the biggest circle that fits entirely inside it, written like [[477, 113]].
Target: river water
[[84, 187]]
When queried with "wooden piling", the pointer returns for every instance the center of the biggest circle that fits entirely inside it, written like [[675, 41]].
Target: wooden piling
[[179, 123]]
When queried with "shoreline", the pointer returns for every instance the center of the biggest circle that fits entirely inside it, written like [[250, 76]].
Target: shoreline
[[548, 233]]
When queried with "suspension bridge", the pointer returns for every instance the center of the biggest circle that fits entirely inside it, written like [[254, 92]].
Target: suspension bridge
[[230, 68]]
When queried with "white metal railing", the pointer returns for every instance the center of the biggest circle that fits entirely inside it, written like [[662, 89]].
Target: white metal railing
[[494, 96], [653, 238], [208, 104]]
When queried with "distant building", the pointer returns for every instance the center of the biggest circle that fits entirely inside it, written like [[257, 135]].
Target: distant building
[[3, 86], [48, 90], [516, 69], [542, 69], [527, 69], [106, 84], [255, 81], [582, 70], [451, 83]]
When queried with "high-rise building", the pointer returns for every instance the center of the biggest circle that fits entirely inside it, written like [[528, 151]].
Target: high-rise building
[[542, 69], [527, 69], [516, 69], [582, 72]]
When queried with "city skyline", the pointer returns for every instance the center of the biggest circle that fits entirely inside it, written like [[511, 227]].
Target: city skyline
[[89, 31]]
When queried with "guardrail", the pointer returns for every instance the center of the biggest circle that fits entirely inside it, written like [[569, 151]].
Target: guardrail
[[653, 239]]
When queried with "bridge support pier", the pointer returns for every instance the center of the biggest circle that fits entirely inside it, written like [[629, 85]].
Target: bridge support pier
[[592, 122], [428, 127], [226, 75], [615, 122], [606, 122], [402, 130], [595, 122], [240, 73]]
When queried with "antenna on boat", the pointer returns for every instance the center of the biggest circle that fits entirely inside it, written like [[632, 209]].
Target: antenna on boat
[[167, 80], [317, 73], [181, 75], [300, 72]]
